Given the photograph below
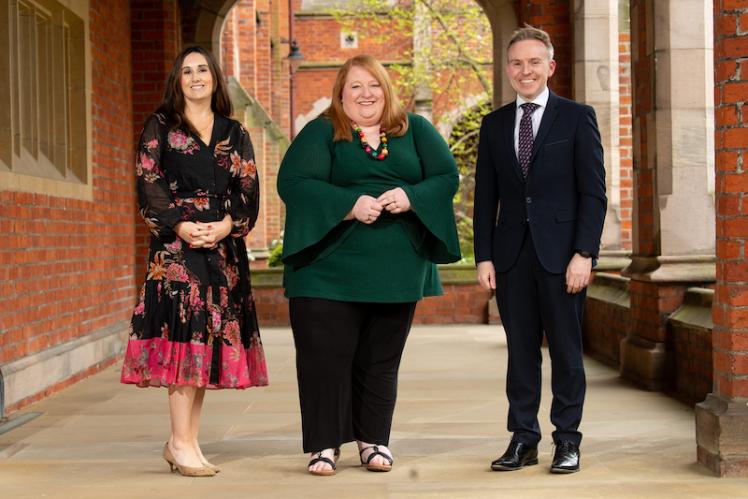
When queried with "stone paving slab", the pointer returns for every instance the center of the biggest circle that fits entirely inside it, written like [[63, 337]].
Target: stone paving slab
[[100, 439]]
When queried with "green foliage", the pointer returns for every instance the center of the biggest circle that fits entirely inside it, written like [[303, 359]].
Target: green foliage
[[276, 250], [452, 37], [463, 142]]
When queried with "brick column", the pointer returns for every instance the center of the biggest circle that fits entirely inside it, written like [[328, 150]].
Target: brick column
[[553, 16], [722, 419], [673, 178], [155, 42], [625, 149]]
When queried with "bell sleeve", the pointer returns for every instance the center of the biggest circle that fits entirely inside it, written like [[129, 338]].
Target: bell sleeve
[[431, 198], [155, 200], [315, 207], [243, 202]]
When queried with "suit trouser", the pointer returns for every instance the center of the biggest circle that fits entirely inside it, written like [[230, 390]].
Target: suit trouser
[[347, 359], [531, 300]]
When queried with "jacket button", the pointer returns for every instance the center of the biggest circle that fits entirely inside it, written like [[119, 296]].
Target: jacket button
[[528, 200]]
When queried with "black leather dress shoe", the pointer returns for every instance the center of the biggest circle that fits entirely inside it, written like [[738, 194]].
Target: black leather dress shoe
[[565, 458], [517, 456]]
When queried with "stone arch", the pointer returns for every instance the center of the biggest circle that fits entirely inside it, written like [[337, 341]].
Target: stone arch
[[503, 19], [208, 17]]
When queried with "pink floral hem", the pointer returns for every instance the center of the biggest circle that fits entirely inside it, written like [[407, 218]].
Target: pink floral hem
[[160, 362]]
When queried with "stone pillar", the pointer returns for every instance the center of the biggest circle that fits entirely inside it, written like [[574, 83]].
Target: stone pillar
[[722, 419], [503, 19], [673, 174], [595, 82], [421, 56]]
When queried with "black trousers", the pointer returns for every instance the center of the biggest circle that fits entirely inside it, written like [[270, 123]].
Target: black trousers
[[531, 301], [347, 359]]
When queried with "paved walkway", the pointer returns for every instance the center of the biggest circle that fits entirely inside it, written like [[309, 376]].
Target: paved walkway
[[100, 439]]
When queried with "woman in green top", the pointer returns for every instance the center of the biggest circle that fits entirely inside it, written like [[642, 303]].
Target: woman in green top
[[368, 191]]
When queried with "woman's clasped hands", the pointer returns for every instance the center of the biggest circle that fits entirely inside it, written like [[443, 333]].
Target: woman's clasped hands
[[368, 208], [204, 235]]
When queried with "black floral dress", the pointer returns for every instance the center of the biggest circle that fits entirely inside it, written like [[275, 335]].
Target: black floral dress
[[195, 322]]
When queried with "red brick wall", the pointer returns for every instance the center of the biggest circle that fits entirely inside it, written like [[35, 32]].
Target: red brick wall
[[605, 323], [692, 349], [650, 306], [155, 44], [460, 304], [156, 39], [553, 16], [281, 68], [263, 74], [66, 266], [730, 311], [626, 139]]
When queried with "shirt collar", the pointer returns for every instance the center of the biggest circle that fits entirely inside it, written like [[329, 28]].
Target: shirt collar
[[541, 100]]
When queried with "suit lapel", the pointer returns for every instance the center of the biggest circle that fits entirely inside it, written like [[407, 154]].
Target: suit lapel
[[549, 116], [509, 118]]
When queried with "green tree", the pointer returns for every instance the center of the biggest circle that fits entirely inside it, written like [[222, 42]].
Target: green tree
[[451, 46], [463, 142]]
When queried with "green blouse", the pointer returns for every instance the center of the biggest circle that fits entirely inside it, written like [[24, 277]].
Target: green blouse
[[391, 260]]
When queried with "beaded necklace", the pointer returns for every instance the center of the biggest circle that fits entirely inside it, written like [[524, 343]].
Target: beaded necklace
[[370, 151]]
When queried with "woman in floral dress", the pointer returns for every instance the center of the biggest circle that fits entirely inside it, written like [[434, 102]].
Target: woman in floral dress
[[195, 326]]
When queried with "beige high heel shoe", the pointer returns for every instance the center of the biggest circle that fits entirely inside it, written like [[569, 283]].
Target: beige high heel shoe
[[211, 466], [184, 470]]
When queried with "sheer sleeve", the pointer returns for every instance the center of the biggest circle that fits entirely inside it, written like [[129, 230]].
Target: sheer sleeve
[[243, 202], [157, 206], [431, 198]]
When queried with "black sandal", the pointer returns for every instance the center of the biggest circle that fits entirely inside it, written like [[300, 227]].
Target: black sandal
[[322, 459], [376, 452]]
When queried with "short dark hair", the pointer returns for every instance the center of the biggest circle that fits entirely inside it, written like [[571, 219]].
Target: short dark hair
[[172, 105], [528, 32]]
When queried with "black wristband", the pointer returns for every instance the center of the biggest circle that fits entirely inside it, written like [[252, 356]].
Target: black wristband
[[583, 254]]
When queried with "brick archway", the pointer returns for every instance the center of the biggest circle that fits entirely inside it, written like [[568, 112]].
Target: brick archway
[[202, 22]]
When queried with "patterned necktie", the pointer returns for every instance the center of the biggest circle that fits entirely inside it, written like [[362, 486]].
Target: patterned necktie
[[524, 148]]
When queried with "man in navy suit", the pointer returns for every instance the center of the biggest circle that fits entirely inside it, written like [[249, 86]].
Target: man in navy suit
[[540, 167]]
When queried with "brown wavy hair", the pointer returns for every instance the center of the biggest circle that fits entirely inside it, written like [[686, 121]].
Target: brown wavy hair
[[172, 105], [394, 117]]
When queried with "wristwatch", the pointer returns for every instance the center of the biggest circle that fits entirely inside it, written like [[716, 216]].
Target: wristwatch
[[583, 254]]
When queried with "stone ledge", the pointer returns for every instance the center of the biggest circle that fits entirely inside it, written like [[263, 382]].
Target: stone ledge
[[673, 269], [27, 376], [610, 288], [613, 261], [696, 311], [449, 274]]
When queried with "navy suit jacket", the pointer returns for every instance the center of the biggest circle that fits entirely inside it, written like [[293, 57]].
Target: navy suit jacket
[[562, 201]]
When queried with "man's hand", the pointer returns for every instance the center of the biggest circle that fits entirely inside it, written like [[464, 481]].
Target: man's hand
[[487, 275], [578, 273]]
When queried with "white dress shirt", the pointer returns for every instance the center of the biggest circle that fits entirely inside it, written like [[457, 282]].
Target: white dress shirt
[[542, 101]]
